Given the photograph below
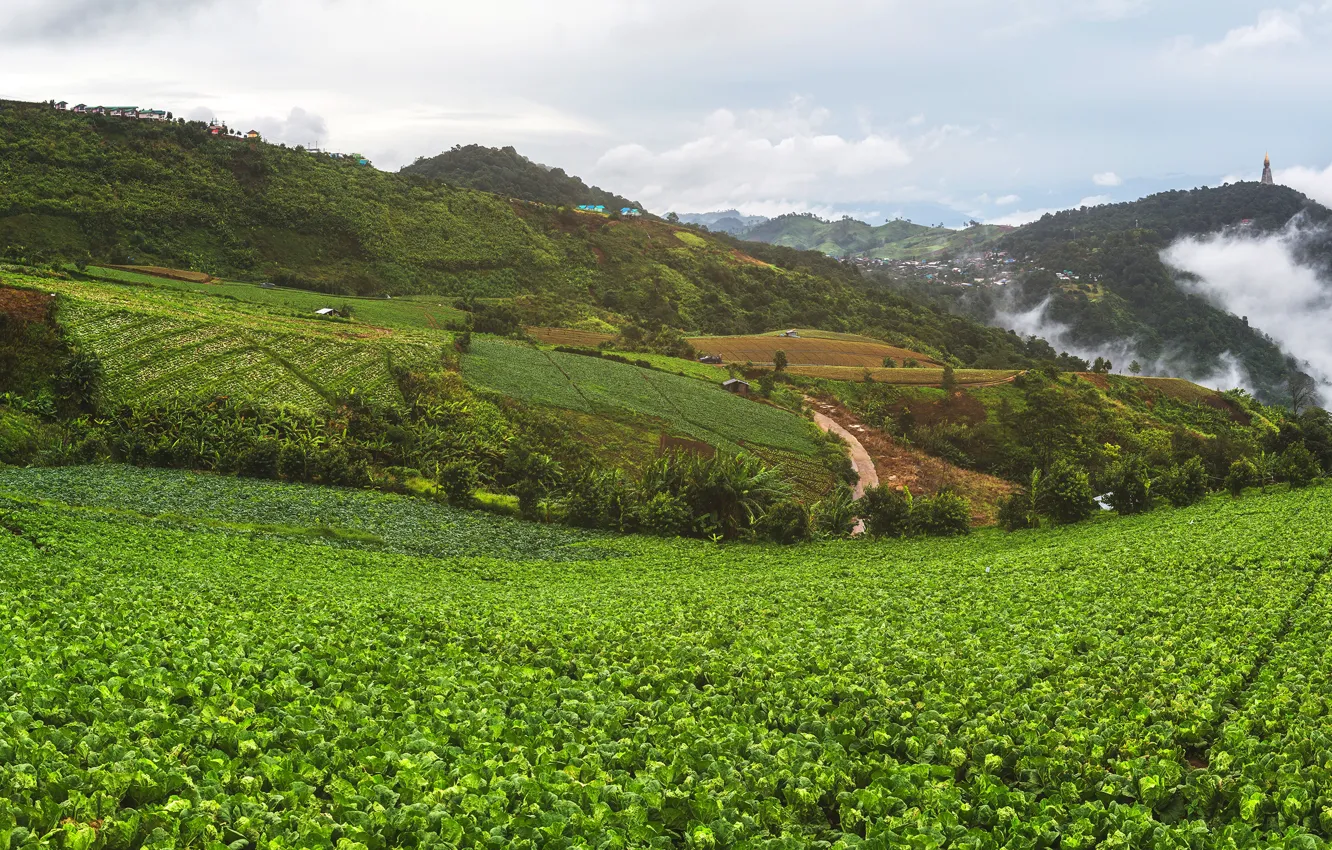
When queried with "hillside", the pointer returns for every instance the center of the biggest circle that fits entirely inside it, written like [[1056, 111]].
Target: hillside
[[505, 172], [1136, 299], [725, 221], [91, 189], [848, 237]]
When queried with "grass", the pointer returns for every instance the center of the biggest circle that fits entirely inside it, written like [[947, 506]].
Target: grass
[[683, 406], [905, 377], [822, 350], [171, 681]]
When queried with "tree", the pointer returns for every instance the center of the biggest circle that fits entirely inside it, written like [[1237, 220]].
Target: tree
[[1242, 473], [1297, 465], [672, 218], [887, 511], [889, 363], [779, 360], [1065, 495], [945, 514], [1184, 485], [1129, 485], [949, 382], [1135, 367], [1303, 391]]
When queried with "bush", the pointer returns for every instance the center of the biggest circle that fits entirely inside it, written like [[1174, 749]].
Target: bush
[[665, 515], [1242, 474], [1184, 485], [1018, 511], [260, 460], [459, 480], [787, 521], [945, 514], [1065, 495], [463, 342], [1297, 465], [1129, 485], [835, 514], [887, 511]]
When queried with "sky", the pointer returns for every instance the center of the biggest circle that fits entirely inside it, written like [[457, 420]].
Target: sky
[[940, 112]]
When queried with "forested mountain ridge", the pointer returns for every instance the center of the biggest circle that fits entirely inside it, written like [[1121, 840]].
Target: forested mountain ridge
[[504, 171], [1136, 298], [848, 237], [79, 189]]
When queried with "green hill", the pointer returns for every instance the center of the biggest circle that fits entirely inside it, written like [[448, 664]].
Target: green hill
[[504, 171], [849, 237], [1136, 298], [92, 189]]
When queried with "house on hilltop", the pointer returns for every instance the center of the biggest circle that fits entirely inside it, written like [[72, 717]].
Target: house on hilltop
[[62, 105], [152, 115], [253, 135]]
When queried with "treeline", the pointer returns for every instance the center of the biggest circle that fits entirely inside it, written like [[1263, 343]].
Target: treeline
[[504, 171]]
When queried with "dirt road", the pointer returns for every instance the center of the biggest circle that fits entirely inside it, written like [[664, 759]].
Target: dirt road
[[860, 459]]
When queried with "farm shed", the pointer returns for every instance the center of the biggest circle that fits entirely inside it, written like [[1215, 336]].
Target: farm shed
[[735, 385], [327, 311]]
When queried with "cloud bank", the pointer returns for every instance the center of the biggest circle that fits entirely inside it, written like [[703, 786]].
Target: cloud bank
[[1261, 278]]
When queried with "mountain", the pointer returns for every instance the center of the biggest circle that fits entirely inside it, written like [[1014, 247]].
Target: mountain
[[1127, 298], [79, 189], [727, 221], [504, 171], [846, 237]]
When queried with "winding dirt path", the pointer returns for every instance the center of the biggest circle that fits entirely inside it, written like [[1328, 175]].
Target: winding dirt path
[[860, 459]]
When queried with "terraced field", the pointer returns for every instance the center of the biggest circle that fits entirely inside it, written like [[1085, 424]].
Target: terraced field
[[807, 350], [906, 377], [684, 406], [155, 342]]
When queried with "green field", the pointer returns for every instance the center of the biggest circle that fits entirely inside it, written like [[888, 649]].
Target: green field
[[190, 678], [424, 312], [685, 405], [164, 339]]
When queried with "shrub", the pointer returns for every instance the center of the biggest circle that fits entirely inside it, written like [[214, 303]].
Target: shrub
[[887, 511], [665, 515], [1129, 485], [1018, 511], [463, 342], [835, 514], [945, 514], [458, 479], [787, 521], [1242, 474], [1184, 485], [1065, 495], [260, 460], [1297, 465], [889, 363]]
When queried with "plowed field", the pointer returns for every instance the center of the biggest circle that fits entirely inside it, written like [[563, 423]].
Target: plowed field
[[806, 351]]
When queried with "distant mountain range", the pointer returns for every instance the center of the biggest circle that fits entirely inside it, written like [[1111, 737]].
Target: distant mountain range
[[727, 221]]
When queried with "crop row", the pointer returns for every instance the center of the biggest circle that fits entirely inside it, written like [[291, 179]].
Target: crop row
[[1060, 688]]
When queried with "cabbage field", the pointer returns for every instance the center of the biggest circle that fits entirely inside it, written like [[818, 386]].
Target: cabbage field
[[190, 661]]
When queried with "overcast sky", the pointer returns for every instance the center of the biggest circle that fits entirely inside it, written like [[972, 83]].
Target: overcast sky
[[939, 111]]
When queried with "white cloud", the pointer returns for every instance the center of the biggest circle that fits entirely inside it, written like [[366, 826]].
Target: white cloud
[[752, 158], [1312, 182], [1260, 277], [1107, 178], [1006, 200], [1274, 28], [1019, 218]]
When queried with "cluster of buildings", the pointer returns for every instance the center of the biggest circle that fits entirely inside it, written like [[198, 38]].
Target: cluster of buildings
[[115, 111], [216, 129], [601, 208]]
